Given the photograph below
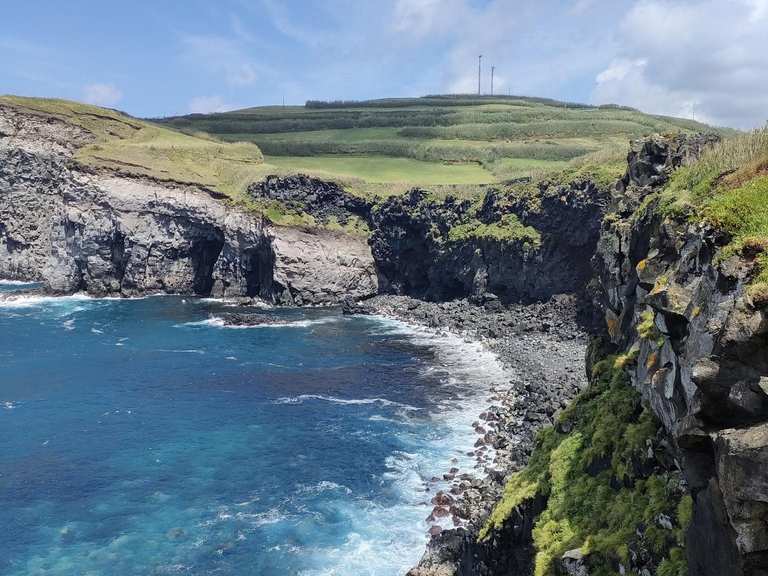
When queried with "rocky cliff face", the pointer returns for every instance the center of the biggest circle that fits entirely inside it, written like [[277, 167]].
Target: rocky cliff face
[[668, 448], [701, 350], [515, 247], [109, 233]]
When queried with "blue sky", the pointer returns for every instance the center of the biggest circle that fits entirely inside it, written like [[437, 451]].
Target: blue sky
[[162, 57]]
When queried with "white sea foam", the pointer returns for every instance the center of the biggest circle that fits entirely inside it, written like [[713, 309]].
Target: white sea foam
[[333, 399], [217, 322], [190, 351], [12, 300], [236, 302], [386, 539], [9, 405], [16, 283], [322, 486]]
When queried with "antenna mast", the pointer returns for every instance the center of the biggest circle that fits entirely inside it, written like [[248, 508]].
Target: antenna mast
[[479, 69], [493, 69]]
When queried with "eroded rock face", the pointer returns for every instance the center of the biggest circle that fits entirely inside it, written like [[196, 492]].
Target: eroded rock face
[[320, 267], [651, 160], [701, 350], [108, 233], [323, 200], [417, 256]]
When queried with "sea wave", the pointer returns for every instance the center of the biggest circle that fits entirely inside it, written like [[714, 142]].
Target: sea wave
[[12, 300], [349, 401], [323, 486], [218, 322], [16, 283], [188, 351], [237, 302]]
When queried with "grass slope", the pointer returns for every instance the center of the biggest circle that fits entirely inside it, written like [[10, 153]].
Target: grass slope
[[509, 136], [727, 188], [138, 147], [385, 169]]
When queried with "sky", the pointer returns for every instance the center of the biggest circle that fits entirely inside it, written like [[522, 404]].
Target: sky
[[693, 58]]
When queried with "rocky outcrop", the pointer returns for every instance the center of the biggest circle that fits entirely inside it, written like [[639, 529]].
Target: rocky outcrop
[[694, 345], [651, 160], [109, 233], [701, 360], [321, 199], [320, 267], [419, 253]]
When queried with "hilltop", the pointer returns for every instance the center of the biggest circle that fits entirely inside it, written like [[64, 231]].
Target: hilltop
[[436, 140]]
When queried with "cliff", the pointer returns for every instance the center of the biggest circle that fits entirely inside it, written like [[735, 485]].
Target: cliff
[[683, 303], [104, 230], [659, 467], [518, 244]]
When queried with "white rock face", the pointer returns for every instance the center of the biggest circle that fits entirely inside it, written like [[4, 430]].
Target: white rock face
[[107, 233]]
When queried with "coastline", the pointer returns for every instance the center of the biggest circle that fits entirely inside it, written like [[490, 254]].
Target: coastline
[[539, 344]]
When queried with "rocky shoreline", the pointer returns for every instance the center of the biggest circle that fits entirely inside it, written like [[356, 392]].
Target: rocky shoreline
[[543, 346]]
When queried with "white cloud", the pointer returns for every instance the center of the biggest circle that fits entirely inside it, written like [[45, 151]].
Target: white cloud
[[222, 56], [290, 26], [620, 69], [759, 9], [704, 55], [102, 94], [209, 104], [422, 17], [580, 6], [537, 47]]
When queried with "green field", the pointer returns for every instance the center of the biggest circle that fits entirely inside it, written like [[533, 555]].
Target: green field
[[494, 138], [384, 169]]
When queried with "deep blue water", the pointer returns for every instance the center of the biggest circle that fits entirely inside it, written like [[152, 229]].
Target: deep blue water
[[142, 437]]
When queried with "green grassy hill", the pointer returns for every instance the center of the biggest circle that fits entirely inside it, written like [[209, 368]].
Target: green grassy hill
[[130, 145], [459, 140], [451, 145]]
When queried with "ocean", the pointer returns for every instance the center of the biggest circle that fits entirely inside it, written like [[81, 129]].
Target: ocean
[[145, 437]]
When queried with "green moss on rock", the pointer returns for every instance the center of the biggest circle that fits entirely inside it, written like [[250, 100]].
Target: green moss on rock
[[605, 489], [508, 229]]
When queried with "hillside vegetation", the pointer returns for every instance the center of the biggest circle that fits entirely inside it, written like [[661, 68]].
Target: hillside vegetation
[[600, 470], [503, 137], [727, 189], [130, 145]]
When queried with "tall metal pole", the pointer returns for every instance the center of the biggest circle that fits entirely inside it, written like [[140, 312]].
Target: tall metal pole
[[493, 69], [479, 68]]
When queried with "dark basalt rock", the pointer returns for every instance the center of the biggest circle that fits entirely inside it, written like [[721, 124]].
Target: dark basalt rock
[[251, 319], [323, 200], [704, 370], [416, 256], [651, 160]]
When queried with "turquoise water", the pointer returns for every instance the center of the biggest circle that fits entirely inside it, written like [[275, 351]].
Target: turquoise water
[[143, 437]]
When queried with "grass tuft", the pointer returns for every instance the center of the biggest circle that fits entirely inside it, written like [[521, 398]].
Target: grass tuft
[[508, 229]]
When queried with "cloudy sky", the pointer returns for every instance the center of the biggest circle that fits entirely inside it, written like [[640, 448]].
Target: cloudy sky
[[161, 57]]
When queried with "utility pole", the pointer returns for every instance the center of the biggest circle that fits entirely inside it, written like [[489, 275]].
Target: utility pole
[[479, 69], [493, 69]]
